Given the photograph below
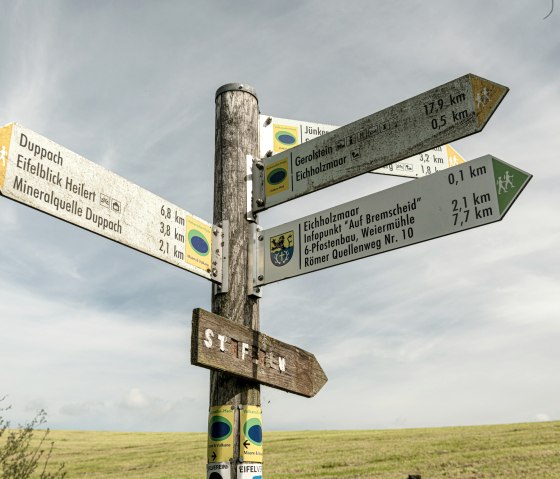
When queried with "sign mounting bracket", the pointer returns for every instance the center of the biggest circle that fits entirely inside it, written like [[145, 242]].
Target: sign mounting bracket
[[256, 261], [222, 263]]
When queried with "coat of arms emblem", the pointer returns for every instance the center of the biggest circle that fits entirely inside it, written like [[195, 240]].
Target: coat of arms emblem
[[282, 248]]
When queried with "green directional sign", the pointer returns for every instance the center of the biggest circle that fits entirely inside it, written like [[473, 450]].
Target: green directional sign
[[472, 194], [509, 182]]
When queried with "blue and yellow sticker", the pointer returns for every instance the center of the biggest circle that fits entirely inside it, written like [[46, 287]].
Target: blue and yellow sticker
[[277, 178], [5, 138], [220, 434], [285, 137], [250, 434], [198, 244]]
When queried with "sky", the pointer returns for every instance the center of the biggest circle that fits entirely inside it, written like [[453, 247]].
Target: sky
[[461, 330]]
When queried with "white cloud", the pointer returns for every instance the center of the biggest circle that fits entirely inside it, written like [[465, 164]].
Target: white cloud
[[135, 399], [458, 330]]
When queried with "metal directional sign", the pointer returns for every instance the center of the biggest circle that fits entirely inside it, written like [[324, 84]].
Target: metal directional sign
[[279, 134], [48, 177], [476, 193], [218, 343], [439, 116]]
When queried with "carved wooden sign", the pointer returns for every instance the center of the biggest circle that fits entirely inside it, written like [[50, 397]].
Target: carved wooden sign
[[218, 343]]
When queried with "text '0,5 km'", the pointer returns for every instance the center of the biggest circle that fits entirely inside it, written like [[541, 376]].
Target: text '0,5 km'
[[444, 114]]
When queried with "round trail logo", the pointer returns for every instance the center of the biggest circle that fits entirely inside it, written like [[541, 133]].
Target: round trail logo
[[253, 431], [285, 137], [198, 242], [219, 428], [276, 176]]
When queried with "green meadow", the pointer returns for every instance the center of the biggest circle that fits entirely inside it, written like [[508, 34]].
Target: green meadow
[[528, 451]]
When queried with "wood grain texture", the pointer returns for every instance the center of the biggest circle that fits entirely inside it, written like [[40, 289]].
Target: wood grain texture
[[253, 355], [236, 137]]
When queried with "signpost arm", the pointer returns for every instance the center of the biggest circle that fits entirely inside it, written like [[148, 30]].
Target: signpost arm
[[236, 136]]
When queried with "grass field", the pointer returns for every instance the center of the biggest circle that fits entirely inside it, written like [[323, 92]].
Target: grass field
[[528, 451]]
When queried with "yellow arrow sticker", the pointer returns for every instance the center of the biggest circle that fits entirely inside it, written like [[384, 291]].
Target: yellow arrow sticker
[[220, 434], [5, 138], [250, 434]]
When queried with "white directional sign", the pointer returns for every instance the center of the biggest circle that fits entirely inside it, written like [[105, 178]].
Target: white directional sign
[[439, 116], [279, 134], [473, 194], [48, 177]]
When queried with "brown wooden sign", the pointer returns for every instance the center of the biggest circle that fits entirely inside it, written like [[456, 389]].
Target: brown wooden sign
[[218, 343]]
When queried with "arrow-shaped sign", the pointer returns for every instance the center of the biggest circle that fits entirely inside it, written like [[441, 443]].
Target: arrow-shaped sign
[[39, 173], [439, 116], [280, 134], [473, 194], [218, 343]]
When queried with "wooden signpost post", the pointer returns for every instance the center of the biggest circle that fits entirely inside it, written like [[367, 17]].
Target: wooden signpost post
[[239, 258]]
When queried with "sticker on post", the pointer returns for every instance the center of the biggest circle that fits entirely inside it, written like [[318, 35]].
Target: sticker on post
[[220, 434], [221, 470], [250, 440], [249, 471]]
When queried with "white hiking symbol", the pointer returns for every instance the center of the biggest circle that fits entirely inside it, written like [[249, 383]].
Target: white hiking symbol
[[453, 160], [482, 97], [504, 182], [3, 155]]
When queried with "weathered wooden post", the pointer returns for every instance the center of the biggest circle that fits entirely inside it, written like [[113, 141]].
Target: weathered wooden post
[[237, 116]]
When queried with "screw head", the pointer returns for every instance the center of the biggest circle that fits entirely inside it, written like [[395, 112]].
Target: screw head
[[261, 277], [214, 272], [268, 121], [259, 165], [260, 202], [261, 237], [269, 153]]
